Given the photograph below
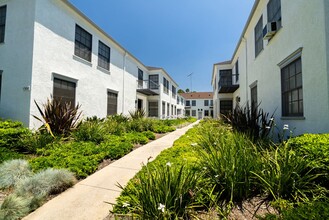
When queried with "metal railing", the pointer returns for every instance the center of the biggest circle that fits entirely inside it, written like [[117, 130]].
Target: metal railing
[[147, 84]]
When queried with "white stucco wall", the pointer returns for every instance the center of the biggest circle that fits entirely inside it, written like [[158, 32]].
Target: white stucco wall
[[300, 29], [16, 60]]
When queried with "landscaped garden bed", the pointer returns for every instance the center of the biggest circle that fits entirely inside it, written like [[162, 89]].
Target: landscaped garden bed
[[70, 155], [213, 172]]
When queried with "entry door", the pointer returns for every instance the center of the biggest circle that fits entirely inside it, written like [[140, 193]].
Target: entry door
[[140, 104], [200, 115]]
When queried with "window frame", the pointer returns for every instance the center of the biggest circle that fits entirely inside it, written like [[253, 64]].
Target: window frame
[[223, 106], [187, 103], [258, 32], [82, 49], [69, 84], [3, 17], [193, 113], [237, 71], [206, 102], [173, 91], [154, 81], [165, 85], [109, 105], [288, 91], [277, 14], [193, 102], [153, 109], [103, 59]]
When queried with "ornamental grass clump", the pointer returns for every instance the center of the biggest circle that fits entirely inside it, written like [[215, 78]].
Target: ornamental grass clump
[[13, 171], [286, 175], [161, 192], [93, 131], [14, 207], [46, 182], [228, 159]]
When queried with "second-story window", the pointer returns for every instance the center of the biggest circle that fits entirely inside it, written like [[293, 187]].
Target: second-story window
[[173, 89], [206, 102], [188, 103], [3, 14], [140, 78], [104, 53], [83, 43], [165, 85], [193, 103], [259, 37], [154, 81], [274, 11], [211, 102]]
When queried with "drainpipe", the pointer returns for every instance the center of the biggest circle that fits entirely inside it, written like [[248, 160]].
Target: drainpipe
[[123, 81], [246, 42]]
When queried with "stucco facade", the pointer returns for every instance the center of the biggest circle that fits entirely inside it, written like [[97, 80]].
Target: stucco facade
[[301, 42], [39, 46]]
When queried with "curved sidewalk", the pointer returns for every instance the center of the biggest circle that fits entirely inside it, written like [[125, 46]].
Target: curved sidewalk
[[87, 199]]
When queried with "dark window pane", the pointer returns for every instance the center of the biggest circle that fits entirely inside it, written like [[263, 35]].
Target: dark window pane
[[3, 15], [226, 106], [193, 103], [83, 43], [104, 56], [153, 109], [259, 36], [154, 81], [112, 103], [274, 10], [292, 92], [64, 91]]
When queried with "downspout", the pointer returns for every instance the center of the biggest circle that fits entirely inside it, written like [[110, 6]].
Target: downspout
[[246, 42], [123, 81]]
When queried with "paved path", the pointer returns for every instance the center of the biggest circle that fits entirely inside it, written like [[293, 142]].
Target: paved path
[[86, 200]]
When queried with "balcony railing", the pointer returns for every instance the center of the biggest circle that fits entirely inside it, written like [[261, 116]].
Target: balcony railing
[[147, 87], [227, 82]]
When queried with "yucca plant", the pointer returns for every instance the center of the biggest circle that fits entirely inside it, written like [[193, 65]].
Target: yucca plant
[[138, 114], [162, 193], [59, 117]]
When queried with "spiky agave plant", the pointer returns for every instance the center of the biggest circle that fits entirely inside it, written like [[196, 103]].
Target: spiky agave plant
[[138, 114], [59, 117]]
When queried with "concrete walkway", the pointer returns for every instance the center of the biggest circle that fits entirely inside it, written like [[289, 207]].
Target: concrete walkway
[[86, 200]]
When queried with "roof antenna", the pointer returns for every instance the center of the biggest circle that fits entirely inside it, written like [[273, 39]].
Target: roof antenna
[[190, 75]]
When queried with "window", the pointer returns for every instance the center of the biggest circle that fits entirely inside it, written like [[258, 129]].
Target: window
[[153, 109], [172, 109], [3, 15], [211, 113], [175, 110], [165, 85], [112, 103], [254, 99], [206, 102], [104, 53], [168, 111], [140, 78], [182, 101], [188, 103], [173, 89], [193, 103], [259, 37], [206, 113], [292, 89], [64, 91], [187, 112], [163, 108], [237, 71], [177, 100], [274, 11], [154, 81], [211, 102], [226, 106], [225, 78], [194, 113], [83, 43]]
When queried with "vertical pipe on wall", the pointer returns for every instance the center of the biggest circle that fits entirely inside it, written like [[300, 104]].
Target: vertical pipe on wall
[[246, 43]]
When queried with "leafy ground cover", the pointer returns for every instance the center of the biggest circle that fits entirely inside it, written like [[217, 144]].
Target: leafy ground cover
[[231, 170]]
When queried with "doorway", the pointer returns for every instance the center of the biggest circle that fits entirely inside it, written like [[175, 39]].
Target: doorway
[[139, 104]]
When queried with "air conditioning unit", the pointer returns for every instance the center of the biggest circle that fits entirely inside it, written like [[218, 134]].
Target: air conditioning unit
[[270, 29]]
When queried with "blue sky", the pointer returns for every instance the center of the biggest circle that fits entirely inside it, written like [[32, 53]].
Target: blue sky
[[182, 36]]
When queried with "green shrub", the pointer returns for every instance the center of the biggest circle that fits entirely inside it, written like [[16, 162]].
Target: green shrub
[[163, 192], [114, 125], [149, 134], [6, 154], [90, 131], [136, 138], [32, 141], [44, 183], [137, 114], [285, 175], [10, 136], [228, 159], [163, 129], [114, 149], [12, 172], [14, 207]]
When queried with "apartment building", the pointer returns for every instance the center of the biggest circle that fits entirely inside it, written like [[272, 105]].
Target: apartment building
[[198, 104], [281, 65], [49, 48]]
